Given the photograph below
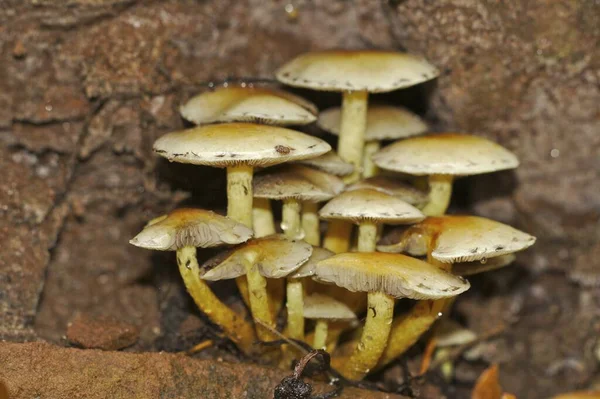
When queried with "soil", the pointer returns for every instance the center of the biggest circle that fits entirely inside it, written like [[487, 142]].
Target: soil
[[87, 86]]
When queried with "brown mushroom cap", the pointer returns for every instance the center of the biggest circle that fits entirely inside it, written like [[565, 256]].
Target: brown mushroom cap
[[445, 154], [323, 307], [244, 104], [275, 256], [384, 122], [396, 275], [238, 143], [370, 205], [297, 182], [340, 70], [329, 162], [190, 227], [394, 187]]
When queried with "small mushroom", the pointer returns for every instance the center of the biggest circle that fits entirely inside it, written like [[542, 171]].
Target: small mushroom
[[249, 104], [240, 147], [270, 257], [329, 163], [391, 186], [443, 157], [295, 185], [384, 277], [355, 74], [367, 208], [384, 122], [182, 231], [325, 309]]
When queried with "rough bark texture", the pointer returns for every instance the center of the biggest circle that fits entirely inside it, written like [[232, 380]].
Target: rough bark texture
[[87, 85]]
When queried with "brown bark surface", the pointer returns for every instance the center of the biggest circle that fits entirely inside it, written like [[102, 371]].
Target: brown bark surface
[[86, 86]]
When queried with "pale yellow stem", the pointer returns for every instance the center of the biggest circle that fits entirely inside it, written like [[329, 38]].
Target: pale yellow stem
[[290, 219], [369, 167], [440, 191], [373, 339], [367, 237], [320, 341], [262, 215], [352, 131], [310, 223], [239, 207], [337, 238], [234, 326], [295, 309], [407, 329]]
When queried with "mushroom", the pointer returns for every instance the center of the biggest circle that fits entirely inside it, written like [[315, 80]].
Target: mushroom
[[476, 267], [384, 122], [367, 208], [182, 231], [270, 257], [355, 74], [384, 277], [295, 185], [325, 309], [249, 104], [392, 186], [330, 163], [442, 157], [240, 147]]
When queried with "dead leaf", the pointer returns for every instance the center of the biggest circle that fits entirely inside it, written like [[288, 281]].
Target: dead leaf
[[487, 386]]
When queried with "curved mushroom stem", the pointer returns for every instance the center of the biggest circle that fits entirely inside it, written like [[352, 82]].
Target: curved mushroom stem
[[352, 131], [239, 207], [373, 338], [369, 167], [320, 340], [440, 191], [337, 238], [234, 325], [295, 291], [367, 237], [262, 216], [407, 329], [310, 223]]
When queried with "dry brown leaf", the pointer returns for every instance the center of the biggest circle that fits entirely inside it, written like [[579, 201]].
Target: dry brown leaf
[[487, 386]]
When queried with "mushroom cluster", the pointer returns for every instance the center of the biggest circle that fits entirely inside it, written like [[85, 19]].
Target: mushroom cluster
[[331, 280]]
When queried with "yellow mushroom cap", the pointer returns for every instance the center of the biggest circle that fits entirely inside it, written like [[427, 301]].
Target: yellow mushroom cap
[[342, 70], [445, 154], [190, 227], [323, 307], [370, 205], [297, 182], [396, 275], [308, 268], [238, 143], [460, 239], [384, 122], [274, 256], [476, 267], [392, 187], [330, 162], [450, 333], [245, 104]]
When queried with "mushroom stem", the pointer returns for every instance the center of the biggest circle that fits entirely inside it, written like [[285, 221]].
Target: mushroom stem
[[367, 237], [290, 219], [407, 329], [352, 131], [369, 167], [337, 238], [440, 191], [373, 338], [239, 207], [292, 228], [262, 216], [234, 325], [310, 223], [320, 340], [295, 305]]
